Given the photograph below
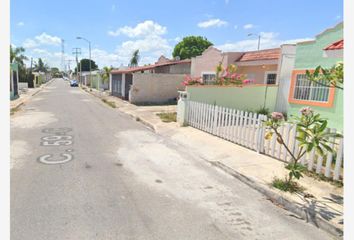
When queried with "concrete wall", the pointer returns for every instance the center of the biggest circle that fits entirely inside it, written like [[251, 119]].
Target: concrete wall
[[184, 68], [249, 98], [155, 88], [286, 65]]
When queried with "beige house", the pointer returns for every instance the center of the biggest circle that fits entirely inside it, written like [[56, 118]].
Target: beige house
[[260, 66], [156, 83]]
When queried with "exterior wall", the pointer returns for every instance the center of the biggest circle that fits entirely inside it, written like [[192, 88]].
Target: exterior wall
[[249, 98], [286, 65], [184, 68], [155, 88], [334, 115], [207, 62], [308, 56], [258, 71]]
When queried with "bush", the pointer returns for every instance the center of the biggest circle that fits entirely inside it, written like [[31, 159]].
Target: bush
[[287, 186], [263, 111]]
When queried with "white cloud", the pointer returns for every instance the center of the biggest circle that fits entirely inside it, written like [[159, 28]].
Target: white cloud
[[48, 39], [20, 24], [212, 23], [146, 28], [29, 43], [268, 40], [150, 48], [177, 39], [41, 51], [227, 1], [235, 27], [113, 8], [43, 39], [248, 26]]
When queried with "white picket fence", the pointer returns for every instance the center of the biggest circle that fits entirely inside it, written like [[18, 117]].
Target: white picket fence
[[246, 129]]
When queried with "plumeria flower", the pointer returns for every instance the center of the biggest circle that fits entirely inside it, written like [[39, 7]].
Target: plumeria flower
[[277, 116], [306, 111]]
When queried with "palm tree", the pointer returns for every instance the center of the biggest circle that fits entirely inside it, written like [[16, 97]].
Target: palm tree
[[104, 74], [16, 55], [135, 58]]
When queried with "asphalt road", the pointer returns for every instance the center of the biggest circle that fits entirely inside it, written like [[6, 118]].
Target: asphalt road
[[82, 170]]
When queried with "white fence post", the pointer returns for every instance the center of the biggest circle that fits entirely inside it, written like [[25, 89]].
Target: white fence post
[[246, 129]]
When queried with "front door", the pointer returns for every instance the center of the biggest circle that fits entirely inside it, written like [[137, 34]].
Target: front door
[[117, 85]]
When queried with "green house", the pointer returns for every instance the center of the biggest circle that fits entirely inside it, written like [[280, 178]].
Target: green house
[[325, 50]]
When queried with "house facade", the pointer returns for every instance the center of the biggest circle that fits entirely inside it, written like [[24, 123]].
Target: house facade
[[325, 50], [156, 83], [260, 66]]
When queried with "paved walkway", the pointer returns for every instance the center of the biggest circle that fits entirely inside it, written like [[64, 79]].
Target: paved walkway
[[324, 209]]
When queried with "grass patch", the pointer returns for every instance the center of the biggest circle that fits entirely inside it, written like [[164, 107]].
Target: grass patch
[[287, 186], [168, 117], [15, 109], [109, 103]]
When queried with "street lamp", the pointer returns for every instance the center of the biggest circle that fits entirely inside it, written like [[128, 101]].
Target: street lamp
[[89, 55], [259, 38]]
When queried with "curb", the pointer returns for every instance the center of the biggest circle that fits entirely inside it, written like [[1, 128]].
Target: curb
[[34, 93], [135, 117], [302, 211]]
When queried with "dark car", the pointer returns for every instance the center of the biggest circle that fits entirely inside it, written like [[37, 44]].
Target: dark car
[[74, 83]]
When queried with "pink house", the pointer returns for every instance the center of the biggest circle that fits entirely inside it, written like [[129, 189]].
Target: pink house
[[260, 66]]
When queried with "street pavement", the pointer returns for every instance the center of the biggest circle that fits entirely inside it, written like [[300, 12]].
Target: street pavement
[[83, 170]]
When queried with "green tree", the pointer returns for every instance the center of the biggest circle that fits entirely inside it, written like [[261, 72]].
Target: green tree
[[330, 77], [16, 55], [105, 74], [135, 58], [85, 65], [41, 66], [191, 46]]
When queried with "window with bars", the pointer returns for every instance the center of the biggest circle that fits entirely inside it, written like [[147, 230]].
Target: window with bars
[[309, 90], [208, 78], [271, 78]]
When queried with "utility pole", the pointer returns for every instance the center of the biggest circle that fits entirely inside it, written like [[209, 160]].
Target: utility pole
[[30, 75], [69, 61], [62, 56], [77, 51], [89, 56]]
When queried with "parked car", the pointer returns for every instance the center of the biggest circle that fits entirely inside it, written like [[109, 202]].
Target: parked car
[[74, 83]]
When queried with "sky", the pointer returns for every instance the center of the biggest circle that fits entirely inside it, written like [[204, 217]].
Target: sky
[[117, 28]]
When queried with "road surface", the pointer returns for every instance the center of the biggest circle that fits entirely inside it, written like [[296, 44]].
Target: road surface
[[82, 170]]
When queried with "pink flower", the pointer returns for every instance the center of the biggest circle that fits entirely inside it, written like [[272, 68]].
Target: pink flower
[[233, 76], [306, 111], [277, 116], [226, 73], [247, 81]]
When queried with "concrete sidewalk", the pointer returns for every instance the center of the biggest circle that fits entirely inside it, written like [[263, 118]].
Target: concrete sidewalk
[[144, 114], [25, 96], [324, 209]]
